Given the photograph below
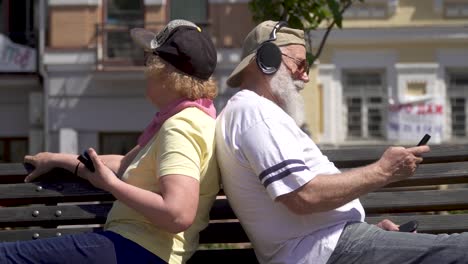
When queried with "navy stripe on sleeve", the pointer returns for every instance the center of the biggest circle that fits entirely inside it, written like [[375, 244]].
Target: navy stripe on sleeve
[[283, 174], [279, 166]]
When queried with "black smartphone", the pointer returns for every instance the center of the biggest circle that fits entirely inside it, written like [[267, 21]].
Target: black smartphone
[[29, 167], [86, 160], [410, 226], [424, 140]]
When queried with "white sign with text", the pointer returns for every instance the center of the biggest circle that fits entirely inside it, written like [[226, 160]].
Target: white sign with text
[[15, 57], [409, 122]]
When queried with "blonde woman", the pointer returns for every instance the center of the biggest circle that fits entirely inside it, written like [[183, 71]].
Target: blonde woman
[[166, 185]]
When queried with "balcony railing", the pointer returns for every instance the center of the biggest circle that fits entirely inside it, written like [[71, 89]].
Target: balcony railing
[[115, 47]]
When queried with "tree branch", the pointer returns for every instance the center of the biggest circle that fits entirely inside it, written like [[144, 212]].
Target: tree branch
[[329, 28]]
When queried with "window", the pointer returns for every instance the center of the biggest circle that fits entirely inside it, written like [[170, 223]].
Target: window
[[455, 9], [13, 149], [193, 10], [458, 94], [124, 12], [365, 104], [17, 18], [120, 16], [3, 16], [117, 143], [363, 11]]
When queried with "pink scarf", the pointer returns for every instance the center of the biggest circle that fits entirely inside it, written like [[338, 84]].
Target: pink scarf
[[206, 105]]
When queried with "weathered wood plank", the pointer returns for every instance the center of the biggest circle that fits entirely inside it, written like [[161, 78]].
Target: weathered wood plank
[[81, 214], [359, 156], [436, 174], [56, 192], [30, 234], [54, 215], [434, 224], [415, 201]]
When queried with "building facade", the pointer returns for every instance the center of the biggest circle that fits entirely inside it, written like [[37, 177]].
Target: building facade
[[397, 70], [94, 81], [20, 81]]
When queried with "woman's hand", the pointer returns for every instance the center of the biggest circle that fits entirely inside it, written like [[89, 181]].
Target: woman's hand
[[103, 177], [43, 162]]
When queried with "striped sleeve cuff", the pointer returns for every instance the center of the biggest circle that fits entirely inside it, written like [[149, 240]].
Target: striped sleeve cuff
[[285, 177]]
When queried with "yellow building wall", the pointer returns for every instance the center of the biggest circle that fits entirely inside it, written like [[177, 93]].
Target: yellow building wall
[[412, 13], [406, 52], [313, 105]]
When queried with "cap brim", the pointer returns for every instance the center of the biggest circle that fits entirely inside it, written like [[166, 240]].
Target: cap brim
[[143, 38], [234, 80]]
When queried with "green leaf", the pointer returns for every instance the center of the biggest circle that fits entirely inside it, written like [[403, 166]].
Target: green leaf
[[335, 10]]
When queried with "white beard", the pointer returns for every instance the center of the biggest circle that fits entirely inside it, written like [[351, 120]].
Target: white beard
[[286, 89]]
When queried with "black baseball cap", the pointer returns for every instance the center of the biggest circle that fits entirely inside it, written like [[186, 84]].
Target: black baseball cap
[[183, 45]]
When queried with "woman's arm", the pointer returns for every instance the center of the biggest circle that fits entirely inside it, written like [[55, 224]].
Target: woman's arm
[[173, 209], [46, 161]]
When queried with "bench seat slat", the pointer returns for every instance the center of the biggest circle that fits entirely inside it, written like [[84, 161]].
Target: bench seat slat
[[413, 201]]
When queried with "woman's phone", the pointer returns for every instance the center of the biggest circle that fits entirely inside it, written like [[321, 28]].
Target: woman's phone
[[424, 140], [86, 160]]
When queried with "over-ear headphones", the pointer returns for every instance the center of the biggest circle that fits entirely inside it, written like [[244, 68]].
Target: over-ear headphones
[[268, 55]]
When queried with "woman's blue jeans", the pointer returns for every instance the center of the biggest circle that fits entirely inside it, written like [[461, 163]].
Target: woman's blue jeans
[[101, 247]]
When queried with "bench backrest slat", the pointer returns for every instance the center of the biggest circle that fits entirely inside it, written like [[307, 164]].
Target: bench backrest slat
[[359, 156], [54, 215], [415, 201]]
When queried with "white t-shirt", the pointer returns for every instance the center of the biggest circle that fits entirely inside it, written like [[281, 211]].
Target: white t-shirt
[[263, 154]]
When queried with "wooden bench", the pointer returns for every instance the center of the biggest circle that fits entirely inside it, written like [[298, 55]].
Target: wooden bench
[[60, 204]]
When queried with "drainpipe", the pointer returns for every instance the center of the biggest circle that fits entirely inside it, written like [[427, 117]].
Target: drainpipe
[[43, 71]]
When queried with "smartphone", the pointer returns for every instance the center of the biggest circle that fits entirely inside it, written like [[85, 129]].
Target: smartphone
[[424, 140], [410, 226], [29, 167], [86, 160]]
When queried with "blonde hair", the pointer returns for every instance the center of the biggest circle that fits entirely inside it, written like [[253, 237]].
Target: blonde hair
[[187, 86]]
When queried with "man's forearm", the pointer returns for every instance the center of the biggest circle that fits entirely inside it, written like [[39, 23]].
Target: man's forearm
[[327, 192]]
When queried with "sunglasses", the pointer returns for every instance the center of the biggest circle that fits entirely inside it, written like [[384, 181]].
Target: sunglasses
[[302, 65]]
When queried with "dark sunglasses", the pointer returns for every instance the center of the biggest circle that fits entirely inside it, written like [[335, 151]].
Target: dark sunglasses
[[302, 65]]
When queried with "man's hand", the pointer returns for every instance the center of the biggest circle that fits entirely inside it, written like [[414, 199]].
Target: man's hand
[[387, 225], [398, 163], [390, 226]]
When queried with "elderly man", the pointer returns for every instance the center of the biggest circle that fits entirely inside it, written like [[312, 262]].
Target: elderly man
[[294, 204]]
